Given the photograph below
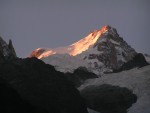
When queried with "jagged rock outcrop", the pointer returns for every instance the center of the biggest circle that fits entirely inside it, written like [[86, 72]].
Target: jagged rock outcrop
[[7, 51], [138, 61], [42, 86], [11, 48]]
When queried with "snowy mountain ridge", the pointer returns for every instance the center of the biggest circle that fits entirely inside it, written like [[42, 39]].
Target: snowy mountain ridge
[[75, 48], [103, 50]]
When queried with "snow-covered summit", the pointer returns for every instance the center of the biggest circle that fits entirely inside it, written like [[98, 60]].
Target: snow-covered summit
[[73, 49], [103, 50]]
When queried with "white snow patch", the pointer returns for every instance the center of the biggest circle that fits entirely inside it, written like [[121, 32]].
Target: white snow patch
[[114, 42], [65, 62], [92, 111]]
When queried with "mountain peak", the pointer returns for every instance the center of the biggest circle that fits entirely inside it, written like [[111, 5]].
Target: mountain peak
[[102, 50], [91, 39], [75, 48], [108, 29], [101, 30], [105, 28]]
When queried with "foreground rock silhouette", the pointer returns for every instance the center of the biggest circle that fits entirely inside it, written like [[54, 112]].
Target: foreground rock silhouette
[[41, 85], [11, 102]]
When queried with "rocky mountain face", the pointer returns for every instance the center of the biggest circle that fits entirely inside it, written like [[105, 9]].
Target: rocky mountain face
[[7, 51], [103, 51], [109, 52], [137, 61]]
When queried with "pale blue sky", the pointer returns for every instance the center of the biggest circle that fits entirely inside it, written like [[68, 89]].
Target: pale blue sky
[[51, 23]]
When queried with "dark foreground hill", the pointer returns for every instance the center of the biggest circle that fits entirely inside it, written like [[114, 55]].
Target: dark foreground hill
[[11, 102], [37, 84]]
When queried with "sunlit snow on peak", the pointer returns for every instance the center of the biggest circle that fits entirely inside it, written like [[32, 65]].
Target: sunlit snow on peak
[[87, 42], [77, 47]]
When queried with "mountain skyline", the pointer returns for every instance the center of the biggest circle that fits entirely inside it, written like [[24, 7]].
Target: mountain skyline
[[34, 24]]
